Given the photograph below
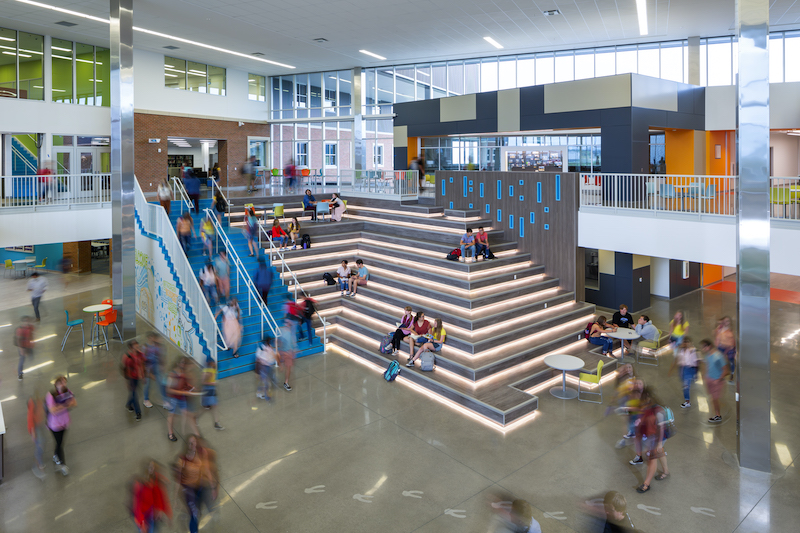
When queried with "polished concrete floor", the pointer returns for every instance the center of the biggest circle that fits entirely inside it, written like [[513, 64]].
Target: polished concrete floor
[[345, 450]]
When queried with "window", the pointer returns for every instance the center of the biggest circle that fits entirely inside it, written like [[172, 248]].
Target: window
[[257, 87], [81, 73], [720, 61], [196, 77], [377, 155], [330, 155], [565, 66], [301, 154], [21, 65], [61, 52]]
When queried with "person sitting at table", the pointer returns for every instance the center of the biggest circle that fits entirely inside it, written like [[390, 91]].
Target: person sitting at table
[[648, 334], [310, 205], [622, 318], [337, 207], [595, 337]]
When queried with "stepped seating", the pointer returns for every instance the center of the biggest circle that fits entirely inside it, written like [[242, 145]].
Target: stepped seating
[[502, 316], [251, 319]]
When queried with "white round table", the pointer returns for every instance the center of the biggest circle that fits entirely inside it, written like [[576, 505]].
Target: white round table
[[623, 334], [25, 262], [94, 332], [564, 363]]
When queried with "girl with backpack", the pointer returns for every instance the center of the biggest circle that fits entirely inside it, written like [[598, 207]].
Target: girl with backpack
[[654, 425], [251, 230], [58, 403], [434, 344]]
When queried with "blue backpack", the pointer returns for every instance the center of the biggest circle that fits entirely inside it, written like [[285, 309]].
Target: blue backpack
[[392, 372], [386, 346]]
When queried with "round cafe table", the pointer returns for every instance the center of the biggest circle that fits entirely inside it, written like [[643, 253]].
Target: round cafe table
[[25, 263], [94, 332], [623, 334], [564, 363]]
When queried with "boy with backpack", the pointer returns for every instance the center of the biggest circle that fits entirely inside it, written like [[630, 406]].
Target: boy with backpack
[[133, 368], [309, 307], [23, 340]]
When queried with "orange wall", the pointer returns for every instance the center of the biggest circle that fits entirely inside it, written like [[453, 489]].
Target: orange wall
[[413, 149], [711, 274], [721, 166], [680, 151]]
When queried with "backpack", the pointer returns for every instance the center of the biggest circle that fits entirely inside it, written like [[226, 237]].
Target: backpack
[[488, 254], [587, 333], [427, 362], [392, 372], [328, 278], [305, 241], [669, 422], [454, 255], [310, 308], [385, 346]]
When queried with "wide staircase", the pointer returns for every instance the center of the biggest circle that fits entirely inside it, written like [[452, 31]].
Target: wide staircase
[[253, 327], [502, 316]]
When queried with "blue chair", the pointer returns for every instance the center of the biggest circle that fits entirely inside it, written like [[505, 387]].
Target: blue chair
[[709, 194], [71, 324], [667, 192]]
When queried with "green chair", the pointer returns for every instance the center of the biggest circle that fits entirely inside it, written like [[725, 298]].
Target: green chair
[[591, 378], [652, 347], [42, 266], [9, 266], [781, 196]]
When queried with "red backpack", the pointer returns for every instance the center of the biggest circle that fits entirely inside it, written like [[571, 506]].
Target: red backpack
[[587, 333]]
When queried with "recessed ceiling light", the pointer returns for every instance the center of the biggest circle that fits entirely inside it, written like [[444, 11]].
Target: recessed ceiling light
[[257, 54], [641, 8], [376, 56], [150, 32], [321, 40], [551, 13], [66, 24], [170, 47], [493, 42]]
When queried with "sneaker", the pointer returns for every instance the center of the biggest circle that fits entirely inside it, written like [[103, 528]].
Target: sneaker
[[352, 295], [461, 259], [410, 364], [686, 405], [139, 417], [64, 470], [287, 387], [147, 404], [19, 377], [129, 408], [637, 460], [715, 419], [56, 460], [218, 427], [172, 437], [38, 472], [294, 247], [629, 436], [342, 294], [260, 396]]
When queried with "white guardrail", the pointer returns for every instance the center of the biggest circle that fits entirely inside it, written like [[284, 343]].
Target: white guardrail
[[682, 193], [384, 184], [253, 295], [156, 222], [52, 190], [274, 252]]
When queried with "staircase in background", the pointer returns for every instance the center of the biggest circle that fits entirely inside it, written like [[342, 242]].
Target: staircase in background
[[23, 161], [251, 319]]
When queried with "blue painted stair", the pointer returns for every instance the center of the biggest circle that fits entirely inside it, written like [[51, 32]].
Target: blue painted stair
[[23, 161], [278, 297]]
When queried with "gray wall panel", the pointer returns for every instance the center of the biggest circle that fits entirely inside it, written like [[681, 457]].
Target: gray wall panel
[[486, 104]]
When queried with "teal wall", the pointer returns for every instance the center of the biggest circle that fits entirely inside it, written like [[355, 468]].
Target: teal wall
[[53, 253]]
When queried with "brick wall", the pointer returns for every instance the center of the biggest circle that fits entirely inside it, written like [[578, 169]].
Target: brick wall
[[80, 253], [151, 166]]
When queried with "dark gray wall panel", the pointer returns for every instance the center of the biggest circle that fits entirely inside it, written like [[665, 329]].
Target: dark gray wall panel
[[421, 112], [641, 289], [401, 158], [486, 106], [679, 286], [531, 100]]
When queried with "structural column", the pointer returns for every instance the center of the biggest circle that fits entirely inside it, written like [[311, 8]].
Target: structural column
[[122, 177], [359, 144], [753, 387]]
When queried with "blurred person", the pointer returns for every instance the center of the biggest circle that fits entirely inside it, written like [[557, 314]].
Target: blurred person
[[215, 171], [686, 362], [150, 502], [308, 308], [294, 311], [337, 207], [294, 231], [179, 388], [653, 424], [287, 343], [678, 327], [249, 173], [612, 515], [58, 403], [232, 325], [192, 185], [310, 205], [343, 276], [715, 369], [266, 361], [627, 389], [726, 342], [219, 204], [36, 416], [251, 230], [192, 473], [208, 280], [66, 269], [207, 235], [37, 285], [23, 340], [209, 400], [185, 230], [223, 270], [359, 276], [403, 330], [45, 182], [154, 369], [133, 368], [262, 279], [278, 235], [514, 518], [165, 195], [290, 173]]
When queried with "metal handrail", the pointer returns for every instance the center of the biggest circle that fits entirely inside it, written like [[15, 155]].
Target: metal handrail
[[252, 294], [21, 156], [155, 221], [55, 189], [284, 270], [177, 187], [214, 184]]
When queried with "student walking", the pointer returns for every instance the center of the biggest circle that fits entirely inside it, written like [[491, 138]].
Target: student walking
[[209, 400], [150, 500], [715, 369], [208, 280], [37, 285], [232, 326], [251, 230], [726, 342], [266, 359], [686, 362], [192, 472], [185, 230], [133, 367], [178, 391], [262, 279], [154, 369], [307, 308], [653, 425], [207, 235], [59, 401], [223, 269], [678, 327], [35, 422], [288, 348], [165, 195], [23, 340]]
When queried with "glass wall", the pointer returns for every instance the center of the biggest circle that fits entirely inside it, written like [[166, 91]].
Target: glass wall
[[21, 65], [81, 73], [319, 94], [257, 87], [658, 153], [193, 76], [325, 148]]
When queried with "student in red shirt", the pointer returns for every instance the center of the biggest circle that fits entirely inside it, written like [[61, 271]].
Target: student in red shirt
[[419, 329], [150, 500], [133, 366], [23, 340], [278, 233]]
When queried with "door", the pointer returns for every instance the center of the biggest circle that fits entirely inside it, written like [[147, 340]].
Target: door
[[95, 165]]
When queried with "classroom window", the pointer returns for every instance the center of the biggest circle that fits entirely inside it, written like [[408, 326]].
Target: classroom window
[[257, 88], [330, 154]]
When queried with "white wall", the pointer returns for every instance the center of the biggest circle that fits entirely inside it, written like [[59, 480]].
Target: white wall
[[784, 107], [45, 227], [784, 154], [150, 94], [659, 276]]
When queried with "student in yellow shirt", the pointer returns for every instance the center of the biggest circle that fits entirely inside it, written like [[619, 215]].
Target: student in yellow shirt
[[434, 343], [678, 327]]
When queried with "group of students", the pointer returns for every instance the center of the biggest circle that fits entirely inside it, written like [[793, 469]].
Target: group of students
[[648, 333], [476, 245], [418, 333], [349, 279], [335, 204]]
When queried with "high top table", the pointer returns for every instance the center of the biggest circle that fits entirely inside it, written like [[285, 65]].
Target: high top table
[[94, 331], [564, 363]]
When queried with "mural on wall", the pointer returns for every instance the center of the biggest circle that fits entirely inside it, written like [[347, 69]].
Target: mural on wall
[[158, 301]]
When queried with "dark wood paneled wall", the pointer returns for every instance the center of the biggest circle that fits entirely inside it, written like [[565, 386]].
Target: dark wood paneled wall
[[543, 207]]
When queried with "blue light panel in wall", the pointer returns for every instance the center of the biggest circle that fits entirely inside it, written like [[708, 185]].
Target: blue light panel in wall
[[451, 205], [521, 227], [510, 191], [521, 182], [521, 198], [499, 215], [464, 185], [558, 187], [499, 190], [533, 218], [451, 180], [470, 182], [488, 209], [480, 189], [470, 206], [546, 209], [547, 226], [511, 221], [470, 189], [443, 187], [539, 191]]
